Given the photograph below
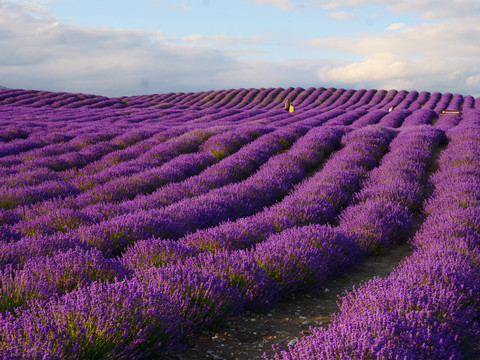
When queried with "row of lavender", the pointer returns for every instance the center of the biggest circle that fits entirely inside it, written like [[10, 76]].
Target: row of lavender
[[245, 284], [264, 99], [428, 307]]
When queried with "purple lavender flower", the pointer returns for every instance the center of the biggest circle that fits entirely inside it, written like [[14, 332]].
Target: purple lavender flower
[[42, 277], [239, 268], [203, 298], [307, 256]]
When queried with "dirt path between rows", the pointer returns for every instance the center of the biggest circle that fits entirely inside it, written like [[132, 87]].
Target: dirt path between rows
[[251, 335]]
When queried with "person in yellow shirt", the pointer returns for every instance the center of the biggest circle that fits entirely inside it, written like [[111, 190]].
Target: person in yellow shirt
[[289, 106]]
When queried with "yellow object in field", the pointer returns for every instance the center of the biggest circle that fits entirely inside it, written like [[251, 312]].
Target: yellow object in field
[[291, 108]]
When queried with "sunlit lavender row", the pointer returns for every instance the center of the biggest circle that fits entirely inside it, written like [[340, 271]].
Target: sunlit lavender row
[[129, 224]]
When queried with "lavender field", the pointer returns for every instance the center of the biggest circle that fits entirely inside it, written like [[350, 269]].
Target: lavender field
[[129, 225]]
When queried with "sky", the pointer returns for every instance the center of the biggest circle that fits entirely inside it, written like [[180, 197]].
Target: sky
[[122, 48]]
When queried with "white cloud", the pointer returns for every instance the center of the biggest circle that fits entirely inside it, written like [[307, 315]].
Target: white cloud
[[388, 71], [281, 4], [378, 67], [395, 26], [223, 40], [431, 9], [341, 15], [473, 81], [437, 56], [437, 40], [192, 38]]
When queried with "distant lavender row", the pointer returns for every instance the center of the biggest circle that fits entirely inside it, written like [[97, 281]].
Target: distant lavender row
[[271, 98], [235, 168], [15, 196], [140, 182], [207, 143], [49, 217]]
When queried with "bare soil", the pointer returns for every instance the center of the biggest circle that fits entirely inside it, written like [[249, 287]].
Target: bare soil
[[251, 335]]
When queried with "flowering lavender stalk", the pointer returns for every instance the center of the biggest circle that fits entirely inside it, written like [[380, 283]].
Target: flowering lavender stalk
[[145, 254], [42, 277], [258, 291], [118, 320], [303, 257], [204, 299]]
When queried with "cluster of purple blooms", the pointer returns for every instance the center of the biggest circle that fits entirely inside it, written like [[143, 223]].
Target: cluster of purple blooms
[[128, 224]]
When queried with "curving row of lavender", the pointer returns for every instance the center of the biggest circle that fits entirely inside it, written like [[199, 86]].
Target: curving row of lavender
[[129, 224]]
